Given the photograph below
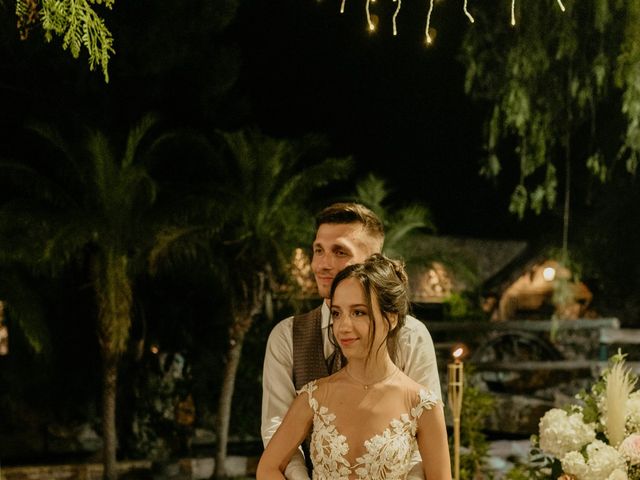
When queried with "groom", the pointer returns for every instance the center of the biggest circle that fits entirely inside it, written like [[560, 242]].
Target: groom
[[299, 349]]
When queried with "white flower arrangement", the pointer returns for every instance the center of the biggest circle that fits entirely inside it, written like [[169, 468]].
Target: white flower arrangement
[[598, 438]]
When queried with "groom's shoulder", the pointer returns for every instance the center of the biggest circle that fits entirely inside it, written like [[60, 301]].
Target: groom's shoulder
[[285, 327], [282, 328], [412, 324]]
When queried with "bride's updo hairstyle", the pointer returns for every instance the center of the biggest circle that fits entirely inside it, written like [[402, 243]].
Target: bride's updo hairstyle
[[388, 281]]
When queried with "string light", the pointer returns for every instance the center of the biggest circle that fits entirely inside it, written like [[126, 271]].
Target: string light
[[429, 38], [371, 26], [466, 12], [426, 31], [395, 29]]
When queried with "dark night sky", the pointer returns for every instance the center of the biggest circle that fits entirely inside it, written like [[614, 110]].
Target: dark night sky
[[396, 105]]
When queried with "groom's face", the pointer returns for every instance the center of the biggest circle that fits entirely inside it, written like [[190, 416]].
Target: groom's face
[[336, 246]]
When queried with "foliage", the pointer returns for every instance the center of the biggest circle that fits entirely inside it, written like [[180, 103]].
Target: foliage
[[399, 223], [88, 198], [75, 21], [457, 306], [610, 226], [248, 243], [476, 406], [23, 304], [548, 83], [260, 180], [460, 306], [268, 185], [579, 440], [157, 433], [90, 207]]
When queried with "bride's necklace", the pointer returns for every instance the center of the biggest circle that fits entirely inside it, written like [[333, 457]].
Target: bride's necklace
[[366, 386]]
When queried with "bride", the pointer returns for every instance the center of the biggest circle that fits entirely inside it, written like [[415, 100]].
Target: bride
[[369, 419]]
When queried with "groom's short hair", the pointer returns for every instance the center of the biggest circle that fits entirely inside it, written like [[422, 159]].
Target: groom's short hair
[[349, 212]]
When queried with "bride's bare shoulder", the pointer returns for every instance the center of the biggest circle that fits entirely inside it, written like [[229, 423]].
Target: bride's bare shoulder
[[331, 381], [412, 387]]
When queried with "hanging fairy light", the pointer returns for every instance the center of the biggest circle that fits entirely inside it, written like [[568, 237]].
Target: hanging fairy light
[[4, 332], [513, 10], [427, 31]]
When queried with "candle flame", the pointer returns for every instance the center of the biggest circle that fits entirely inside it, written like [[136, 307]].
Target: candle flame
[[457, 353]]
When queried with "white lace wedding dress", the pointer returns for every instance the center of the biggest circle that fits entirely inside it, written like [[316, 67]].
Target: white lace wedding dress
[[364, 433]]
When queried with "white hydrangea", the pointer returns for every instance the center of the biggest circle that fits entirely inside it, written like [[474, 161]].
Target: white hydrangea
[[630, 449], [602, 462], [575, 464], [561, 433], [618, 475], [633, 412]]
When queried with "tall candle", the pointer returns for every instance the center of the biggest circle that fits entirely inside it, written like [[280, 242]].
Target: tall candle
[[456, 389]]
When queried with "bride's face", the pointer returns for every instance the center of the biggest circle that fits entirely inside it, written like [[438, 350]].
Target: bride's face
[[353, 320]]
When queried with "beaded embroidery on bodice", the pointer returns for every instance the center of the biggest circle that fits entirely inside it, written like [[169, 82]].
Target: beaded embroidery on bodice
[[387, 455]]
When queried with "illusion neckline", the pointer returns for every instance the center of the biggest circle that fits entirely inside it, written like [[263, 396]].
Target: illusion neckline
[[368, 385]]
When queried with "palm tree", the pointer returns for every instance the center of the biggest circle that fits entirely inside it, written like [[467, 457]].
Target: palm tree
[[248, 226], [398, 223], [404, 227], [90, 206], [18, 294]]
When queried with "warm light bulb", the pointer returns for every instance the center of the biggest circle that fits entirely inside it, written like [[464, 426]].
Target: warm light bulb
[[372, 27], [373, 22], [426, 30], [549, 274], [458, 351]]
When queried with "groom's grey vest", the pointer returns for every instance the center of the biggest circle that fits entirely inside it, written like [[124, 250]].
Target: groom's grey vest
[[308, 350], [308, 358]]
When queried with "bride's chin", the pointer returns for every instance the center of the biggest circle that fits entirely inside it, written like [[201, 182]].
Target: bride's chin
[[351, 355]]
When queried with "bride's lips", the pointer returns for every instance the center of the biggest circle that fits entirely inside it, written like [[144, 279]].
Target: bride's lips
[[345, 342]]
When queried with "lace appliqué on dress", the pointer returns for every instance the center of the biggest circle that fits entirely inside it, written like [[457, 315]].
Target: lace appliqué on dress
[[388, 454]]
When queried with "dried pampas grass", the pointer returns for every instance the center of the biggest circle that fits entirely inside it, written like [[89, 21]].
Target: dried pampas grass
[[619, 385]]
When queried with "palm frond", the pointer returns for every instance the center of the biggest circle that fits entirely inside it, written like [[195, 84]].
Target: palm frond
[[29, 182], [180, 245], [103, 167], [68, 169], [372, 192], [238, 144], [25, 308], [135, 137], [405, 221]]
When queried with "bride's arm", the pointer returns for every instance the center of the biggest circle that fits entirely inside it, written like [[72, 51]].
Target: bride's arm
[[284, 443], [433, 444]]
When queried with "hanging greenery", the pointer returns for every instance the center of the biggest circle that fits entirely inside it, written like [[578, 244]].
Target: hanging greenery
[[547, 80], [75, 21]]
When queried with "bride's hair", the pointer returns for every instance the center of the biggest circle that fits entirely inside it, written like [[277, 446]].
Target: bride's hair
[[388, 281]]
